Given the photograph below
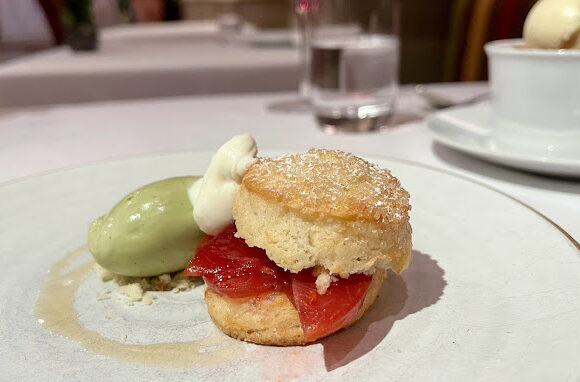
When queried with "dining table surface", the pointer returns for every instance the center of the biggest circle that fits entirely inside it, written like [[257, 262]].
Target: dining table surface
[[39, 139], [155, 60]]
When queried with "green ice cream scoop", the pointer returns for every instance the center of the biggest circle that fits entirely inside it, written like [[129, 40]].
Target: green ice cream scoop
[[149, 232]]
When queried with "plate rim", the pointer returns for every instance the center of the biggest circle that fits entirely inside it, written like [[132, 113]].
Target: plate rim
[[367, 156]]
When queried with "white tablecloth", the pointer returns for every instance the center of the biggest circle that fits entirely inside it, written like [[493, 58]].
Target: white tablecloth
[[50, 138], [144, 61]]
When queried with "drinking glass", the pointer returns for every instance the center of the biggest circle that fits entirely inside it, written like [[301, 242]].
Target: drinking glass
[[354, 64]]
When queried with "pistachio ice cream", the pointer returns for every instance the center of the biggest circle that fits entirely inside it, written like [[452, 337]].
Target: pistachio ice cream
[[149, 232]]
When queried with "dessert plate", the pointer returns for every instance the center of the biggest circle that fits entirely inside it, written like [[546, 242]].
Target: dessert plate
[[469, 130], [492, 293]]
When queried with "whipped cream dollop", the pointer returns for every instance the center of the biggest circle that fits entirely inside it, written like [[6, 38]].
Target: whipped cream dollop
[[213, 195], [553, 24]]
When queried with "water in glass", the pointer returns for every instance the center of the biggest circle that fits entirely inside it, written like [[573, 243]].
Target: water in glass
[[354, 81]]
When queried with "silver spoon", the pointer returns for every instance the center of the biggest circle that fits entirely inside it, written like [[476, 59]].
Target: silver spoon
[[439, 101]]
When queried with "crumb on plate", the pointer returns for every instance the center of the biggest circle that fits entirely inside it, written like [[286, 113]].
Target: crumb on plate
[[137, 289]]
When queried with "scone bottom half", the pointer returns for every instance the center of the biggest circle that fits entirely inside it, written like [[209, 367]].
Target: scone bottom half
[[271, 319]]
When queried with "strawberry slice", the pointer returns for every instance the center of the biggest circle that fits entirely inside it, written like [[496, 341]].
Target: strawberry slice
[[323, 314], [231, 268]]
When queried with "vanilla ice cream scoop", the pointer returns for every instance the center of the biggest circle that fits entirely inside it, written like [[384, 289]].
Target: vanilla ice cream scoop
[[553, 24]]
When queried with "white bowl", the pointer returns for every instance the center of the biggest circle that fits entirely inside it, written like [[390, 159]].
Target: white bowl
[[535, 98]]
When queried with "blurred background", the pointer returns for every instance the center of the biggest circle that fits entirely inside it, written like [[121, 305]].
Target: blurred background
[[441, 40]]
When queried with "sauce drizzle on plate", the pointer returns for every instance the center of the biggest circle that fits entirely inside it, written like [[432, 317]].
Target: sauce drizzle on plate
[[55, 311]]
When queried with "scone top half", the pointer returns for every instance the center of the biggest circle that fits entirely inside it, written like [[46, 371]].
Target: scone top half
[[326, 209]]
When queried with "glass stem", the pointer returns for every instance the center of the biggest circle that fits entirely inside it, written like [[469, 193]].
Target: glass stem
[[304, 52]]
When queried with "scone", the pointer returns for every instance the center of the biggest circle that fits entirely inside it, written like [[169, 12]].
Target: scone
[[314, 235]]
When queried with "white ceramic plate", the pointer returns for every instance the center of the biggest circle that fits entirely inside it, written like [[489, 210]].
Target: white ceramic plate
[[492, 293], [469, 130]]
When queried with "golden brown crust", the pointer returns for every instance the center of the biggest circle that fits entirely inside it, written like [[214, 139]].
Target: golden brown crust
[[330, 183], [270, 319]]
